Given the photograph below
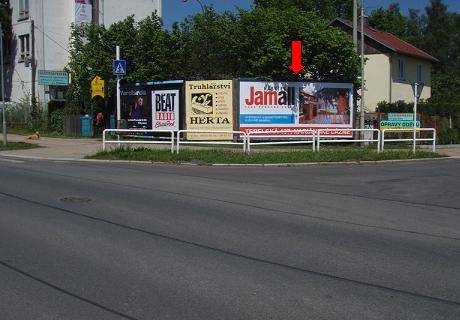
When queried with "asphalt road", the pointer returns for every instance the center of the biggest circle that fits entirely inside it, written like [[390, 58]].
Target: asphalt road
[[124, 241]]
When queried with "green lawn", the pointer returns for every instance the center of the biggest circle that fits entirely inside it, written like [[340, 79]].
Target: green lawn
[[233, 157], [17, 146]]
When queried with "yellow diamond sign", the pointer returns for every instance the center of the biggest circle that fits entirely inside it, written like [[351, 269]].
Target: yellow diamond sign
[[97, 87]]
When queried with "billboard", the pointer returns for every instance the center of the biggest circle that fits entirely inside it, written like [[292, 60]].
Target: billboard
[[165, 109], [53, 78], [153, 105], [136, 108], [269, 108], [209, 106]]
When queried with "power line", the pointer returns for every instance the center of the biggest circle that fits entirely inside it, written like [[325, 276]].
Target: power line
[[53, 40]]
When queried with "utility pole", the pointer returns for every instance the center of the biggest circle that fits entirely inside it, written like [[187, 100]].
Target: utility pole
[[355, 23], [5, 136], [362, 69], [32, 62]]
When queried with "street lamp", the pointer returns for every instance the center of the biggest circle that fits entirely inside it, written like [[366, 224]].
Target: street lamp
[[200, 3]]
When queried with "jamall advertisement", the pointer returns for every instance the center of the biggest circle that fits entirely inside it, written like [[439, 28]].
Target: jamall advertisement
[[271, 108]]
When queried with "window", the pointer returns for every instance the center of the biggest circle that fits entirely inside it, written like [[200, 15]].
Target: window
[[23, 9], [401, 69], [419, 73], [24, 53]]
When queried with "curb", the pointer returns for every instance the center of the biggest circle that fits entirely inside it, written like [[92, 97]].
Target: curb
[[304, 164]]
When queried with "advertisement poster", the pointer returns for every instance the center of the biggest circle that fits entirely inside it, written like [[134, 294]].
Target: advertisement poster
[[136, 108], [209, 106], [83, 11], [165, 109], [269, 108]]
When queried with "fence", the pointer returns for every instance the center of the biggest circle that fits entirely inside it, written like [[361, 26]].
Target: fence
[[118, 141], [433, 139], [315, 135], [241, 133], [308, 134], [318, 138]]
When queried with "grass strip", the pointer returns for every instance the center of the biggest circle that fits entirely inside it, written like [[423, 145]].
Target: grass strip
[[17, 146], [233, 157]]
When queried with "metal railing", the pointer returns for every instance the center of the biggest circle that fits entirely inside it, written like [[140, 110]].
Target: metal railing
[[121, 131], [308, 134], [433, 139], [200, 142], [335, 140]]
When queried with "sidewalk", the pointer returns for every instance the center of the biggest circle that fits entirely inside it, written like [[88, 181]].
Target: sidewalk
[[56, 147], [79, 148]]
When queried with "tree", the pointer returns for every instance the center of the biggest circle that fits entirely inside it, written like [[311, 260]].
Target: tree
[[390, 20], [327, 9]]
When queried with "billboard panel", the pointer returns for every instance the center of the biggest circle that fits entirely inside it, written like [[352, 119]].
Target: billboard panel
[[269, 108], [209, 106], [165, 110], [136, 108]]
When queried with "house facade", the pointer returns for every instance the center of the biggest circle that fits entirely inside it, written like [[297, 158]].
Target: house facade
[[392, 66], [41, 32]]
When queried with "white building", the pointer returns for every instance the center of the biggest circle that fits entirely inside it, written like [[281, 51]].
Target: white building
[[41, 31]]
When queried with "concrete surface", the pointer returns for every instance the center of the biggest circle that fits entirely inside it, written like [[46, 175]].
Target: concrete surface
[[124, 241]]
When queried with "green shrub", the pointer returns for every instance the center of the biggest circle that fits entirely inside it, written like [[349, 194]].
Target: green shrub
[[449, 136], [56, 124]]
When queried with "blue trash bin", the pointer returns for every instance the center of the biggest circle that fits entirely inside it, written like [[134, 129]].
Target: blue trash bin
[[86, 126], [112, 122]]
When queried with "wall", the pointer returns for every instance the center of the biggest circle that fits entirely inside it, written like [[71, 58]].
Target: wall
[[377, 80], [402, 89], [115, 10]]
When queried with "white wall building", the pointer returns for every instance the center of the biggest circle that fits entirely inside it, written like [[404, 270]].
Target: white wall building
[[41, 32]]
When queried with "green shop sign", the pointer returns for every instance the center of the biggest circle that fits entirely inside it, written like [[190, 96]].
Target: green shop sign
[[53, 78]]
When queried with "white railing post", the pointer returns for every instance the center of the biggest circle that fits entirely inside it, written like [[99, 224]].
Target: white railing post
[[103, 140], [178, 141], [318, 140], [248, 137], [378, 141], [434, 140]]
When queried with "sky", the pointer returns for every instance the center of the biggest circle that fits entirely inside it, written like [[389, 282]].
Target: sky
[[176, 10]]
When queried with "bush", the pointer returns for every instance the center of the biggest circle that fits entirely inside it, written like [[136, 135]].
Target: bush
[[449, 136], [56, 124]]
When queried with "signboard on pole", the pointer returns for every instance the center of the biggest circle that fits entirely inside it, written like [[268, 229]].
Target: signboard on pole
[[398, 124], [400, 117], [119, 68], [97, 87], [53, 78], [209, 106], [271, 108]]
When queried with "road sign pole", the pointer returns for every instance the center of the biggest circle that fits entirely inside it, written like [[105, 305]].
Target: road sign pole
[[415, 117], [117, 54]]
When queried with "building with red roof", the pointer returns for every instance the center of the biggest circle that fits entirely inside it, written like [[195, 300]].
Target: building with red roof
[[392, 65]]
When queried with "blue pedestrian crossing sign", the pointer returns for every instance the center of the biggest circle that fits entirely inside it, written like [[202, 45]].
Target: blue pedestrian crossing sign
[[119, 67]]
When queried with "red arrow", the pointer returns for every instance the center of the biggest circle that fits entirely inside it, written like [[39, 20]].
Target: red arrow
[[296, 56]]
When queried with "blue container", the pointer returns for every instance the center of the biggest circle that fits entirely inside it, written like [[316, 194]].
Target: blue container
[[86, 126], [112, 122]]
